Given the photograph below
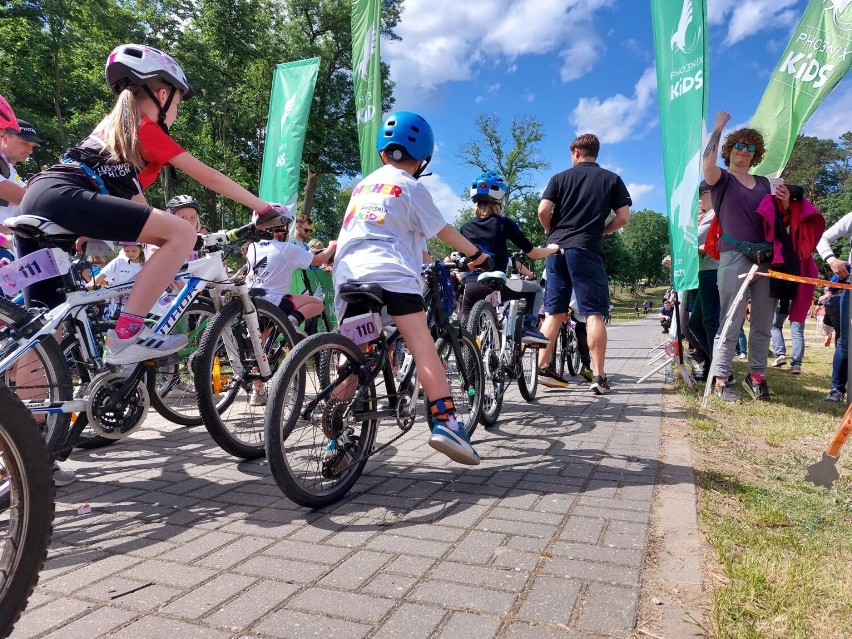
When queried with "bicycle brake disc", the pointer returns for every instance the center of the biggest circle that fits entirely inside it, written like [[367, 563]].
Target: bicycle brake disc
[[115, 419]]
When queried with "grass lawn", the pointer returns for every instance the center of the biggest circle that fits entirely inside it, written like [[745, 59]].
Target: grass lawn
[[624, 303], [781, 563]]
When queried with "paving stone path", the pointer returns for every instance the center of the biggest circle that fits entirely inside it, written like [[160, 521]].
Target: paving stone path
[[546, 538]]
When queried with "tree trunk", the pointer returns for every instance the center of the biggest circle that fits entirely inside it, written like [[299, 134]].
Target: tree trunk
[[310, 189], [57, 92]]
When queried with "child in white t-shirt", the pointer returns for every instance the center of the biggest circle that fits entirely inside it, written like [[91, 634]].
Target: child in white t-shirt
[[382, 241], [124, 267], [271, 265]]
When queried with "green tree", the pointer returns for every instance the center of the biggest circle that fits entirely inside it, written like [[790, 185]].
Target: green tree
[[646, 240], [516, 157], [822, 167], [323, 28]]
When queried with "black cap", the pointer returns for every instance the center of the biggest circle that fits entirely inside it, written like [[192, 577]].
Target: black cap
[[27, 132], [703, 187]]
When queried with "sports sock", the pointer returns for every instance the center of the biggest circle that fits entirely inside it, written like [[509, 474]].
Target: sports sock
[[129, 325], [444, 410]]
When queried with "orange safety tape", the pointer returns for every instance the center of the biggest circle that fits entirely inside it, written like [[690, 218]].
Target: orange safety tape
[[804, 280]]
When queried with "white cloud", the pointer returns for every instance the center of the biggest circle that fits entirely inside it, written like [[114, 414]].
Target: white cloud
[[745, 18], [831, 119], [618, 117], [447, 199], [434, 49], [638, 190], [529, 96]]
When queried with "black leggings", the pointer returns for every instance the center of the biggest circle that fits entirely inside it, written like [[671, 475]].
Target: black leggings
[[475, 291]]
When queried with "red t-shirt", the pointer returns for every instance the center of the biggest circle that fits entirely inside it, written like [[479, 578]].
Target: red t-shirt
[[157, 149]]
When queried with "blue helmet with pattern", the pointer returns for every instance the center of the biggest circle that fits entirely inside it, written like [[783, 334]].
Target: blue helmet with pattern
[[489, 187], [410, 131]]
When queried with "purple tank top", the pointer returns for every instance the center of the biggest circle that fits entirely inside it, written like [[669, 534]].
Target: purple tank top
[[738, 212]]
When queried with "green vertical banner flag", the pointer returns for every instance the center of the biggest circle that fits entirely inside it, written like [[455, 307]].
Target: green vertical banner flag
[[367, 79], [292, 92], [681, 57], [817, 58]]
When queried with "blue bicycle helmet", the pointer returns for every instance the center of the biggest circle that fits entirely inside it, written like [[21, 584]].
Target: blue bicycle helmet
[[411, 132], [489, 187]]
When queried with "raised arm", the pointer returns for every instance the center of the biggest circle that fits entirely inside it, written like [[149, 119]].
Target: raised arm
[[711, 170]]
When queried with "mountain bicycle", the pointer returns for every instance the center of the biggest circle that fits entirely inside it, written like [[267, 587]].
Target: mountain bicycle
[[314, 400], [26, 507], [505, 358], [112, 401]]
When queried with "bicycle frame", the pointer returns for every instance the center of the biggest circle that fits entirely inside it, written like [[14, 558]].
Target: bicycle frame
[[207, 271]]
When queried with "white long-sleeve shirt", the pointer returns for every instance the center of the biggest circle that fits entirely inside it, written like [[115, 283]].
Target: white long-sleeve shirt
[[841, 228]]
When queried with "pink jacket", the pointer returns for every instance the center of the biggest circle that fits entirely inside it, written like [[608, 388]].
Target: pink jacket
[[806, 227]]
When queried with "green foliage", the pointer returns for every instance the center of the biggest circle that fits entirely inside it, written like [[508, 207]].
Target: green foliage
[[646, 241], [51, 69], [517, 158]]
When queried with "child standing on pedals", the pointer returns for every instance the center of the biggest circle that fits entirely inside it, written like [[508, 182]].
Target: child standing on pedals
[[96, 191], [382, 243]]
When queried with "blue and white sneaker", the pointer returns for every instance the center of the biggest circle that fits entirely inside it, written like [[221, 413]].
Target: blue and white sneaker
[[454, 444], [532, 335]]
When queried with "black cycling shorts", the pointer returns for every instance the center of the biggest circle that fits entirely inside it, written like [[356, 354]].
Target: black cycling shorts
[[397, 304], [286, 304], [84, 211]]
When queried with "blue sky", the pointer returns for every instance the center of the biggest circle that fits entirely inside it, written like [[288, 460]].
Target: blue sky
[[578, 66]]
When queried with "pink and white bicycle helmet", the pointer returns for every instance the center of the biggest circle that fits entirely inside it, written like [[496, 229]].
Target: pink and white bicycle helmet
[[7, 116], [139, 64]]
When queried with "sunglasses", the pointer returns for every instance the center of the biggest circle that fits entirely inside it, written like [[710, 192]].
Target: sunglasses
[[739, 146], [307, 229]]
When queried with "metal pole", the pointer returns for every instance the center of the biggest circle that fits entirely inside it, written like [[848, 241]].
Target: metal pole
[[848, 295]]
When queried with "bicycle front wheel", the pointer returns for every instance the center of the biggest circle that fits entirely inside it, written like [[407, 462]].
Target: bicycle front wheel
[[38, 376], [316, 446], [482, 324], [232, 396], [465, 377], [26, 515], [171, 384]]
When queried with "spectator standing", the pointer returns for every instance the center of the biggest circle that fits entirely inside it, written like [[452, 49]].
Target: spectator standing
[[302, 231], [573, 211], [736, 196], [704, 319], [841, 228], [16, 147]]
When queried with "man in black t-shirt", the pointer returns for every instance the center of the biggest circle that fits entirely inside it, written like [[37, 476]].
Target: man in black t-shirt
[[573, 212]]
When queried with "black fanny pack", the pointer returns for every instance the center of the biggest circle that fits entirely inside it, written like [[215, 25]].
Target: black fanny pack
[[757, 252]]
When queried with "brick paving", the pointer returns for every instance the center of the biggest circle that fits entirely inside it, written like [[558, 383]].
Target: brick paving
[[545, 539]]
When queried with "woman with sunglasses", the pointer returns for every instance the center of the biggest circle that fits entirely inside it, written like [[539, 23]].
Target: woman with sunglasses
[[736, 195]]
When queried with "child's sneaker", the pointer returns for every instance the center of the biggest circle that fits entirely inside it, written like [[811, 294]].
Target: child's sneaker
[[550, 378], [587, 373], [145, 345], [531, 333], [455, 444]]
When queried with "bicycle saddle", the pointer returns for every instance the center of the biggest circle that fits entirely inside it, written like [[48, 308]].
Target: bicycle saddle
[[369, 295], [38, 228], [495, 280]]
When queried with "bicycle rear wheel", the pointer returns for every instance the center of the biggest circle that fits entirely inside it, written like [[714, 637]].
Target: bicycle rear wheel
[[560, 351], [306, 413], [573, 352], [39, 376], [482, 324], [465, 378], [232, 397], [26, 516], [528, 379], [171, 384]]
